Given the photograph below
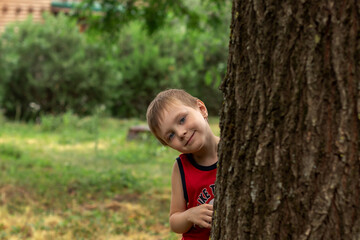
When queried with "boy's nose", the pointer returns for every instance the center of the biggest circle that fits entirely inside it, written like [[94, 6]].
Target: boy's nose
[[182, 132]]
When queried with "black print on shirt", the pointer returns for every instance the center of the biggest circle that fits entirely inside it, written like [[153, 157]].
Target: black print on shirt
[[205, 195]]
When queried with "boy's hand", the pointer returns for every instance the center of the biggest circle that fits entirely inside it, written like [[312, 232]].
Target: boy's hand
[[201, 215]]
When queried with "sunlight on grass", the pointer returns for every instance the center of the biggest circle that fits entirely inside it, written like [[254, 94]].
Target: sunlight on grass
[[74, 182], [69, 183], [31, 225]]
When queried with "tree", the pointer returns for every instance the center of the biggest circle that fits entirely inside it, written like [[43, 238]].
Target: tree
[[112, 15], [289, 163]]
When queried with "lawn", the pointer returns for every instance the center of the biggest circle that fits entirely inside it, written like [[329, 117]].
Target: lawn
[[80, 178]]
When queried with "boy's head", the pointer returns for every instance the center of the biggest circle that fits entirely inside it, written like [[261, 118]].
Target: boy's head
[[163, 102]]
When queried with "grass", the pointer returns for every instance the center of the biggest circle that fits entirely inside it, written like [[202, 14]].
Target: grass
[[79, 178]]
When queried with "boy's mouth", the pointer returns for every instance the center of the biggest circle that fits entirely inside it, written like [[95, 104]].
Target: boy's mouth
[[190, 138]]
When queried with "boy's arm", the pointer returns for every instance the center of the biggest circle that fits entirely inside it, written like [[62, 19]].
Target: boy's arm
[[181, 220]]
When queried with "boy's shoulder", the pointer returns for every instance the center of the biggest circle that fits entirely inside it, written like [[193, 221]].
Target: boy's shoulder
[[185, 156]]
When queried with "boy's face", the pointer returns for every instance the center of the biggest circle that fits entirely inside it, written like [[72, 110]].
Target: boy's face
[[184, 128]]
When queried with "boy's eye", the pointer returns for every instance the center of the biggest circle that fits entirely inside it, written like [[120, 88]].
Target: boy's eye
[[171, 135], [182, 120]]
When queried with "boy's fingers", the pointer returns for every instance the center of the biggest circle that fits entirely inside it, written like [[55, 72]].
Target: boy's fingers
[[208, 225], [211, 207], [205, 225], [210, 214]]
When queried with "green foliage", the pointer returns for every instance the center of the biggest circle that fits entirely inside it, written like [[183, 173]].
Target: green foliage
[[199, 62], [65, 124], [42, 175], [50, 122], [51, 67], [10, 151], [144, 68], [2, 117], [171, 58], [63, 190], [57, 173], [153, 14]]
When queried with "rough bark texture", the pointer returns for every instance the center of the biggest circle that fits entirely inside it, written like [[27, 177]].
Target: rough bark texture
[[289, 163]]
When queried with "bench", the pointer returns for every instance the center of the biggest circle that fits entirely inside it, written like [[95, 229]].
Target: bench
[[135, 131]]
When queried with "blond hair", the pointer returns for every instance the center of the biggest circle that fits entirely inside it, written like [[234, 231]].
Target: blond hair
[[162, 102]]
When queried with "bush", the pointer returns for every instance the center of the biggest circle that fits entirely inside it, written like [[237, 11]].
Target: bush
[[144, 70], [188, 59], [52, 68], [200, 63]]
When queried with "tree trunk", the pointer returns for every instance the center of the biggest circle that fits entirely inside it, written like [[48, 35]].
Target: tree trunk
[[289, 163]]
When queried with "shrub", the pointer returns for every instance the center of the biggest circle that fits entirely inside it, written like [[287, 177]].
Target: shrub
[[200, 63], [144, 71], [188, 59], [52, 68]]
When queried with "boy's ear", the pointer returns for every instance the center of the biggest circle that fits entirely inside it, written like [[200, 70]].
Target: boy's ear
[[202, 108]]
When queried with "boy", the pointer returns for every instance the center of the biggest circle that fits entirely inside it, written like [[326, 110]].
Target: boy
[[179, 120]]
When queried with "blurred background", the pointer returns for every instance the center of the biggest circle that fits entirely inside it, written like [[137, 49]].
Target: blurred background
[[75, 81]]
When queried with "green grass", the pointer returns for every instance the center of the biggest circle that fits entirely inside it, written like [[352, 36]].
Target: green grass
[[79, 178]]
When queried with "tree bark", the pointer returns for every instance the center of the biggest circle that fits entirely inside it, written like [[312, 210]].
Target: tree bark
[[289, 161]]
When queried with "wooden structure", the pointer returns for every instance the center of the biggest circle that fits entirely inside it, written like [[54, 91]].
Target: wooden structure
[[135, 131], [20, 10]]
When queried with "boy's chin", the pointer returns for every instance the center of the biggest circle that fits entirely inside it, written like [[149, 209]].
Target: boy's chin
[[186, 150], [193, 149]]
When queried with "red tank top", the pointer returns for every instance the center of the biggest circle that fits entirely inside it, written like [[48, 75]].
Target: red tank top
[[199, 187]]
